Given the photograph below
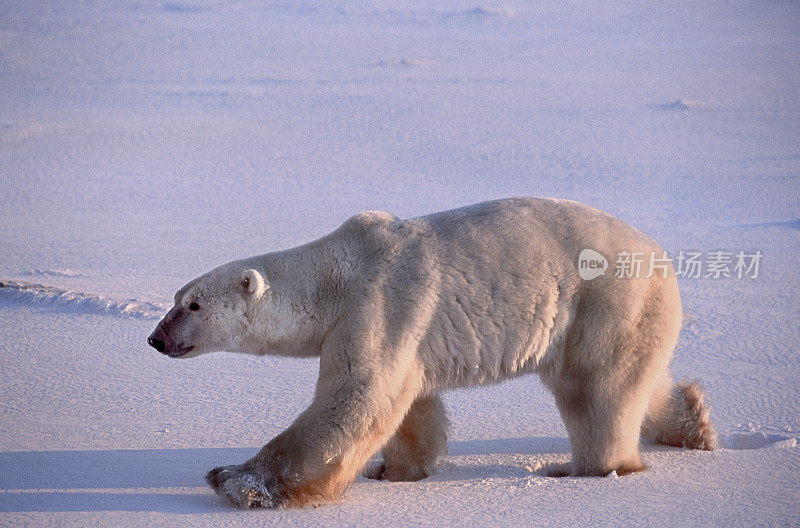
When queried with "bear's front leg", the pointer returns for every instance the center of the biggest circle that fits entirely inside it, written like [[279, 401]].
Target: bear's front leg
[[318, 456]]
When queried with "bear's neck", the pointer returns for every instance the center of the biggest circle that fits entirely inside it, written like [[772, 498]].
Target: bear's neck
[[306, 283]]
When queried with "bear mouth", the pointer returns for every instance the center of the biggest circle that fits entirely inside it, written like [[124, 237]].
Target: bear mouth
[[182, 351]]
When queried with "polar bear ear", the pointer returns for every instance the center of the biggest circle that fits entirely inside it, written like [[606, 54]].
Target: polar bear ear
[[253, 283]]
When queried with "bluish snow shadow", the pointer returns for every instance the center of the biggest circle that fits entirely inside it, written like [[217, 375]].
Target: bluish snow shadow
[[113, 469], [81, 501], [50, 481]]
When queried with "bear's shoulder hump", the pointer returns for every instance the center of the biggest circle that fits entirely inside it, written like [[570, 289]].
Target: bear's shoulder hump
[[369, 219]]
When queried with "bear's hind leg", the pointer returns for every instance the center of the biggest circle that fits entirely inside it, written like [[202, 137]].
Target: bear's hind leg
[[603, 428], [677, 416], [412, 453], [615, 357]]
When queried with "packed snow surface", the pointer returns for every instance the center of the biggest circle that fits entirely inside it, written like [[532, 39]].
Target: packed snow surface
[[143, 143]]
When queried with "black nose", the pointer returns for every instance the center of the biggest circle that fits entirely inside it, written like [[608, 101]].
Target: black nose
[[156, 343]]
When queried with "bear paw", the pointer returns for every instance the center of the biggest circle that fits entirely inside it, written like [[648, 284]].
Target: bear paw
[[396, 473], [246, 487], [374, 471], [558, 470]]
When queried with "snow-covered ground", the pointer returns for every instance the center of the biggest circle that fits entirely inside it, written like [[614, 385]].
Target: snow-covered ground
[[143, 143]]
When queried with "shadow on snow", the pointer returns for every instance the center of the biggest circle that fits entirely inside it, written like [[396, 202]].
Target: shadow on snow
[[141, 480]]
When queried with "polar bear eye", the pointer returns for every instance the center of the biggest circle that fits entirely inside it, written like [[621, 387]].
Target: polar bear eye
[[194, 307]]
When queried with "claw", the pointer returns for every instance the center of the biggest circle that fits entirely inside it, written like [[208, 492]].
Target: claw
[[214, 477]]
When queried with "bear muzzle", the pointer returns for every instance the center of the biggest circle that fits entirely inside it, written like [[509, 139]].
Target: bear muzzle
[[159, 341]]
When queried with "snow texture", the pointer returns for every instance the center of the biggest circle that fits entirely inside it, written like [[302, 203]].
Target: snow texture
[[143, 143]]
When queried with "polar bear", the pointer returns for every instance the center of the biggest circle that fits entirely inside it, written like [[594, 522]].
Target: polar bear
[[400, 310]]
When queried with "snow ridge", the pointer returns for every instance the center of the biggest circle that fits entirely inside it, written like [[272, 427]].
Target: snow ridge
[[14, 293], [682, 104], [481, 14], [65, 273]]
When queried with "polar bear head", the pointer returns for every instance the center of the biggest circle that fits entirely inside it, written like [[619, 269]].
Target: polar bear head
[[213, 312]]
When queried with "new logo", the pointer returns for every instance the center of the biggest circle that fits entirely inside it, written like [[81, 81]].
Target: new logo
[[591, 264]]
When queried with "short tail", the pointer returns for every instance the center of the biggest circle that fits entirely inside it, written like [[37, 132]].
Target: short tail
[[676, 416]]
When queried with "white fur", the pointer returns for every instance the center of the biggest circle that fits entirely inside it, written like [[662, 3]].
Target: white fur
[[400, 310]]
